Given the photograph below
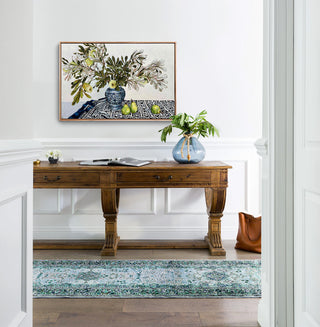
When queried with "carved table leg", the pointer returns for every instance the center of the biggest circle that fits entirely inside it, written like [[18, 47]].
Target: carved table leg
[[110, 204], [215, 200]]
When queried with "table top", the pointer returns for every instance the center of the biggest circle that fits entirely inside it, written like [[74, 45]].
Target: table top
[[165, 165]]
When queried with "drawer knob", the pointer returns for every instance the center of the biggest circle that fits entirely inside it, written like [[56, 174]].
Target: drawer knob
[[51, 180], [157, 177], [170, 177]]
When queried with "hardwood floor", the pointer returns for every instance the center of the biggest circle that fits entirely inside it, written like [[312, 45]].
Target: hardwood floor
[[145, 312]]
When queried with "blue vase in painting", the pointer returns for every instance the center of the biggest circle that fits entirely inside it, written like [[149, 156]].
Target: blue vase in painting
[[195, 154], [115, 98]]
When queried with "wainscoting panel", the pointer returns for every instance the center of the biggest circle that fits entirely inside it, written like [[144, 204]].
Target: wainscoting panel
[[132, 202], [311, 267], [47, 201], [86, 202], [16, 171], [12, 217], [191, 201], [147, 213]]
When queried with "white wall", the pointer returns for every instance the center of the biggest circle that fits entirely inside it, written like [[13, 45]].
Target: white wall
[[219, 54], [16, 69], [219, 68], [16, 207]]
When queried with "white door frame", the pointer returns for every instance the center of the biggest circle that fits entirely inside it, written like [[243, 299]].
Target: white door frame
[[277, 148]]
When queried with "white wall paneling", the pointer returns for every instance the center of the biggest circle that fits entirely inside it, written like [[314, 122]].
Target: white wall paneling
[[15, 152], [146, 213], [191, 201], [276, 148], [310, 273], [13, 281], [132, 202], [16, 210], [48, 202], [306, 164]]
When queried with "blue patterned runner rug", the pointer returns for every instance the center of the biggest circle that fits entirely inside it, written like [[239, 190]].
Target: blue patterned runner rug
[[146, 278]]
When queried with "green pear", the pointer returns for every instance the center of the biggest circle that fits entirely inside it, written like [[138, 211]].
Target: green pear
[[125, 110], [134, 107], [155, 109]]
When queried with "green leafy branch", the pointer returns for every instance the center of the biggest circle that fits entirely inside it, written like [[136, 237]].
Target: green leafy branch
[[197, 125], [92, 67], [82, 68]]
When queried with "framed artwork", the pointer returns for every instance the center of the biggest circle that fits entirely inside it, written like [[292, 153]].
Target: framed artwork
[[102, 81]]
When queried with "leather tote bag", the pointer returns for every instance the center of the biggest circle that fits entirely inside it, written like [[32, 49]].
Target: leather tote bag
[[249, 233]]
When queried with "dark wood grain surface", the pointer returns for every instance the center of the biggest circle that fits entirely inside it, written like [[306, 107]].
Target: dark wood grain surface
[[44, 165]]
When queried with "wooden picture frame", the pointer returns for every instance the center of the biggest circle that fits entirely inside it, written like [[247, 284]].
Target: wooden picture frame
[[117, 81]]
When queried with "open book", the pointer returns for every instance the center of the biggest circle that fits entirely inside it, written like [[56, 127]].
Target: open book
[[116, 162]]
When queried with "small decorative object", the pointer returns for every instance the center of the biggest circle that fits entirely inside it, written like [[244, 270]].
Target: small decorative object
[[53, 156], [189, 149], [36, 162], [96, 77]]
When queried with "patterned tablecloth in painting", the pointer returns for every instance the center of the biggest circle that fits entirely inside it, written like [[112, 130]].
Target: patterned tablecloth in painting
[[99, 109]]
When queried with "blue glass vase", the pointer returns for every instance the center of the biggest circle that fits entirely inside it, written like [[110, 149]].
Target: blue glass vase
[[196, 151], [115, 98]]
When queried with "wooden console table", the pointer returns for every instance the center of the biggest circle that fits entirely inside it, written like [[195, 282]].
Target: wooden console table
[[210, 175]]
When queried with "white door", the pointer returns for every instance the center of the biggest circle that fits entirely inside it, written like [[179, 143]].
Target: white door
[[307, 163]]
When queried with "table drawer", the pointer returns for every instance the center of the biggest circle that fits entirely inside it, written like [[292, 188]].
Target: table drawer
[[67, 180], [161, 177]]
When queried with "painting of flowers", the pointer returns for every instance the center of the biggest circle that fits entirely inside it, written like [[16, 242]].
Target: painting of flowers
[[117, 81]]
